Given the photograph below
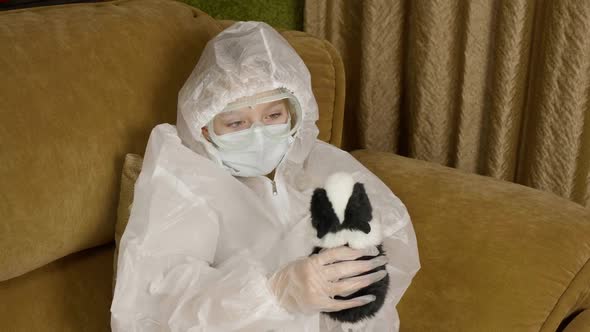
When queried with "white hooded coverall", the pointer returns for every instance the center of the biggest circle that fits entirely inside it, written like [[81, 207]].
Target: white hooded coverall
[[201, 244]]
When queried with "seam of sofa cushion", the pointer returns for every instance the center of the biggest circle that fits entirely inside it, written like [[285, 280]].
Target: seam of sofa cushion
[[565, 291]]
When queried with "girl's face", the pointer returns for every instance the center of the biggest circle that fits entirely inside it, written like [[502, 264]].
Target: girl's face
[[274, 112]]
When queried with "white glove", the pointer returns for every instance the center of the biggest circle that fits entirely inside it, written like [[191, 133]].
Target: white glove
[[308, 285]]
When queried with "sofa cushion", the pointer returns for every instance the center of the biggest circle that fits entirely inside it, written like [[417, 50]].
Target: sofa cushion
[[69, 294]]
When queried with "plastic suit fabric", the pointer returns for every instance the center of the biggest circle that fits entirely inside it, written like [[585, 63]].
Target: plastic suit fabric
[[201, 244]]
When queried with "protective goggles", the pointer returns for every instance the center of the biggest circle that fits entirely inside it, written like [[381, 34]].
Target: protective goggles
[[240, 122]]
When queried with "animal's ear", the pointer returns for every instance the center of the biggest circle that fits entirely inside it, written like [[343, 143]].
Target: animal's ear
[[364, 227], [322, 213], [358, 211]]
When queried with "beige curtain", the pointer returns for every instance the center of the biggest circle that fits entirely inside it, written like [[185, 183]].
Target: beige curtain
[[499, 88]]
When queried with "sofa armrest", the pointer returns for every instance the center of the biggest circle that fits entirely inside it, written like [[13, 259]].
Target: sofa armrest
[[495, 256]]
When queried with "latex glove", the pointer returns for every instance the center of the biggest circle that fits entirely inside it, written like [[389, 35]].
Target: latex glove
[[308, 285]]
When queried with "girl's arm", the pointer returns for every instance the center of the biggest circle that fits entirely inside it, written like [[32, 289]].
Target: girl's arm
[[165, 279], [399, 238]]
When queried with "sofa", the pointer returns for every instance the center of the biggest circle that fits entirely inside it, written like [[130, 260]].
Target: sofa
[[82, 85]]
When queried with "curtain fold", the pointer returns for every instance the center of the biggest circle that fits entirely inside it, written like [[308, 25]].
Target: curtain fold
[[499, 88]]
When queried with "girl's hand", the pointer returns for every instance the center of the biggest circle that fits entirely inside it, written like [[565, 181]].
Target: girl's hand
[[308, 285]]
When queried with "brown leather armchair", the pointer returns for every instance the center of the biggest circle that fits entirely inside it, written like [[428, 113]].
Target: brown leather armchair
[[82, 85]]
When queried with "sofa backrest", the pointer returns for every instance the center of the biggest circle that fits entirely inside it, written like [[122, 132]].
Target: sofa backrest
[[82, 85]]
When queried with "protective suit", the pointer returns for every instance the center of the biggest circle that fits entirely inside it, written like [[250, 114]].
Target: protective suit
[[201, 243]]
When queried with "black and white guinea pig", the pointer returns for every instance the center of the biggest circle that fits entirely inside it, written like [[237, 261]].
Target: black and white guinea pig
[[341, 214]]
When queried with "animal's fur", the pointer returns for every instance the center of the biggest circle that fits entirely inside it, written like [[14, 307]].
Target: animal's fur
[[357, 230]]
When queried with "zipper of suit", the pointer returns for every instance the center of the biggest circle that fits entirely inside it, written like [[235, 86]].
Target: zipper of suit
[[274, 187], [273, 181]]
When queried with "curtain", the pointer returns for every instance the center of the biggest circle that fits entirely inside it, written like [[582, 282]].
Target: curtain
[[499, 88]]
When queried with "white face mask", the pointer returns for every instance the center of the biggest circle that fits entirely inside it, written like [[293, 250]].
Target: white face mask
[[267, 145]]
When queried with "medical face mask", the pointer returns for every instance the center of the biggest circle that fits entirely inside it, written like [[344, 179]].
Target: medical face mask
[[259, 149], [261, 156]]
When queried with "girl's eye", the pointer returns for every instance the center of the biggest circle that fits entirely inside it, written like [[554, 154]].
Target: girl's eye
[[235, 124], [275, 115]]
